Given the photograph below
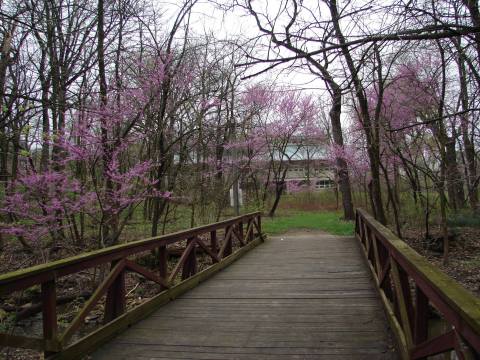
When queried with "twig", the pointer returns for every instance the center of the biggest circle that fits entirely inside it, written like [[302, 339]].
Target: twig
[[134, 288]]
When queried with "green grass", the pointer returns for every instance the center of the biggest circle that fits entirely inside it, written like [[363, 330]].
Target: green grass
[[329, 222]]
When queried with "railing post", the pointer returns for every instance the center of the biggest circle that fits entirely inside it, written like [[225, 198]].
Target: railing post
[[162, 263], [250, 227], [213, 243], [361, 229], [421, 316], [402, 302], [240, 232], [49, 312], [190, 265], [228, 247], [115, 303], [356, 223], [368, 242], [259, 223]]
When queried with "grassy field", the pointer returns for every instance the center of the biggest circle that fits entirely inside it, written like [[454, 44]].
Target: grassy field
[[329, 222], [309, 210]]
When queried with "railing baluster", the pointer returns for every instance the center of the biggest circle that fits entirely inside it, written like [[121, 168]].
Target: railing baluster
[[407, 296], [213, 241], [361, 229], [421, 316], [367, 241], [250, 230], [163, 263], [401, 302], [49, 310], [240, 233], [259, 225], [190, 265], [228, 239], [356, 223], [115, 303], [376, 255]]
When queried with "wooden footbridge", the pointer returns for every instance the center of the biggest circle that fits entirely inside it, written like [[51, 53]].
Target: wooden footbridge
[[304, 295]]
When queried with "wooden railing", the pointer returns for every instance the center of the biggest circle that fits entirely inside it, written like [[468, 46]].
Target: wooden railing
[[416, 295], [244, 230]]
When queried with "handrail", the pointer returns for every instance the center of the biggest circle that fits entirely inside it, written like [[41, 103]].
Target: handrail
[[24, 278], [410, 288], [220, 250]]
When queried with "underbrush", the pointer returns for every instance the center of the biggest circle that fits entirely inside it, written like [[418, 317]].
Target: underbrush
[[464, 219]]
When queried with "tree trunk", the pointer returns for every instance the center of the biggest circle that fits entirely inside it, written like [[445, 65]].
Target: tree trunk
[[278, 194], [372, 139], [342, 168], [4, 143], [109, 233], [392, 201], [45, 85], [468, 145], [455, 190]]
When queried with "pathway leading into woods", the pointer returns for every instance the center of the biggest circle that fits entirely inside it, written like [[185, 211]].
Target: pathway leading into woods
[[304, 295]]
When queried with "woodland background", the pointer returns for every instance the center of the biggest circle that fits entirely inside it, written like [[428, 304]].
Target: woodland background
[[120, 120]]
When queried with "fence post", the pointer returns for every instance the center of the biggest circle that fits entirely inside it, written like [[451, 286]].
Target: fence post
[[213, 243], [115, 303], [49, 313], [162, 263], [259, 223], [240, 232], [228, 247], [190, 265]]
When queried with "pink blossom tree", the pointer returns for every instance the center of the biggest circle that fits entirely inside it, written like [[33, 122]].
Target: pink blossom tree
[[286, 121], [100, 140]]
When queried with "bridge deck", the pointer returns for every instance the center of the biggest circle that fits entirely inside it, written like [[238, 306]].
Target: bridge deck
[[305, 295]]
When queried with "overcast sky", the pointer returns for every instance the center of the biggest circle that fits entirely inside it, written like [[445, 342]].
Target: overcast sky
[[206, 18]]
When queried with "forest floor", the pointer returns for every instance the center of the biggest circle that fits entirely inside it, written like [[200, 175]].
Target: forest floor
[[464, 256]]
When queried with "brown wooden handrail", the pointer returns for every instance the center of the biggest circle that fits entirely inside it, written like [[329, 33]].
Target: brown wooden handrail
[[412, 289], [220, 250]]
